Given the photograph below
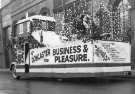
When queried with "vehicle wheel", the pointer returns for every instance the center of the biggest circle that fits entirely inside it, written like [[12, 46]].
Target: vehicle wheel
[[13, 70]]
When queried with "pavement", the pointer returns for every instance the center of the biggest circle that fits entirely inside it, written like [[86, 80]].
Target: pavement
[[4, 70], [8, 85]]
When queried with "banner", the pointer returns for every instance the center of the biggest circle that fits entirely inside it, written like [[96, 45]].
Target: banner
[[74, 53], [67, 54], [111, 52]]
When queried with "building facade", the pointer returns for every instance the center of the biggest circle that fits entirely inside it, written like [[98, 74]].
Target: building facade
[[6, 30], [132, 15], [4, 3], [2, 56]]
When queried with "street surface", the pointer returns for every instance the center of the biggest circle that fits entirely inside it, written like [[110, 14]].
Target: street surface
[[51, 86]]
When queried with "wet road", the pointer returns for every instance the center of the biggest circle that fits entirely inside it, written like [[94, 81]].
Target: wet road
[[47, 86]]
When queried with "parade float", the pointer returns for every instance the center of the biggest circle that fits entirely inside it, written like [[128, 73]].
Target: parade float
[[71, 46]]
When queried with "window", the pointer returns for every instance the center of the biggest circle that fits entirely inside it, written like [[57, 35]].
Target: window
[[23, 27], [28, 26]]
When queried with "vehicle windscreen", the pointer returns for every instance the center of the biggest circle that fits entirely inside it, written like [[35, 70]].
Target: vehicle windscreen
[[43, 25]]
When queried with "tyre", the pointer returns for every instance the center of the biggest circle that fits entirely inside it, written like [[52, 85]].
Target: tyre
[[13, 71]]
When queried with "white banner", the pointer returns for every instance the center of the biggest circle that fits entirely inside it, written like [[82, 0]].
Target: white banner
[[74, 53], [67, 54], [111, 52]]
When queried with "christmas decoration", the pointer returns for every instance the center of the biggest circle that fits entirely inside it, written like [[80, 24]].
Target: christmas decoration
[[105, 21]]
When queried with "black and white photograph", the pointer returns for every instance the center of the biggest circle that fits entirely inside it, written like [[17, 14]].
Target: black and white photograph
[[67, 46]]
